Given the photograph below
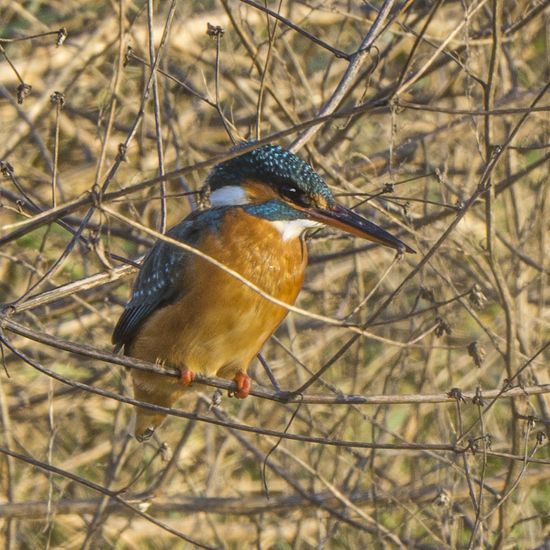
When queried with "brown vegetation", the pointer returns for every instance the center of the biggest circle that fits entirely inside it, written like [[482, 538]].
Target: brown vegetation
[[405, 403]]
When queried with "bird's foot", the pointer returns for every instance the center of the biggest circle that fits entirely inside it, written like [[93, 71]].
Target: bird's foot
[[243, 385], [187, 377], [146, 435]]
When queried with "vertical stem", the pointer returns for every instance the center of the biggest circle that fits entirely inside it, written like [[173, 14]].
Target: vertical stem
[[116, 82], [51, 439], [506, 300], [271, 35], [156, 108], [10, 527], [218, 33], [58, 103]]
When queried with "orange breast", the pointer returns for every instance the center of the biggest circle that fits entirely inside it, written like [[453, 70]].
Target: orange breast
[[219, 325]]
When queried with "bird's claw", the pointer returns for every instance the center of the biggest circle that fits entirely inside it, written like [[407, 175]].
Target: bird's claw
[[186, 377], [243, 382]]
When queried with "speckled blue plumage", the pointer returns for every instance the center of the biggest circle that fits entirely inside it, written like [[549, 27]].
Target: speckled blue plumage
[[271, 164], [156, 285]]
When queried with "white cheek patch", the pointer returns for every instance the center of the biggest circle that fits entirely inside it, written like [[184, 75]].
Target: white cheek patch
[[230, 195], [290, 229]]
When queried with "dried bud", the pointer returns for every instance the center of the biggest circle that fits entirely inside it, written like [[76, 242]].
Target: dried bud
[[476, 297], [216, 399], [478, 398], [58, 98], [442, 327], [442, 499], [456, 393], [496, 150], [6, 169], [61, 36], [128, 55], [476, 352], [214, 31], [23, 90], [122, 151], [427, 294]]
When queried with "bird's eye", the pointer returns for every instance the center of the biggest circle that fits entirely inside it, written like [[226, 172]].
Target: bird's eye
[[290, 191], [296, 195]]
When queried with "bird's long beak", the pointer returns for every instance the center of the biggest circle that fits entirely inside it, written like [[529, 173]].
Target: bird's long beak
[[345, 219]]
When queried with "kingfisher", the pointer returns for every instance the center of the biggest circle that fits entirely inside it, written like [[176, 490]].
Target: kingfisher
[[187, 313]]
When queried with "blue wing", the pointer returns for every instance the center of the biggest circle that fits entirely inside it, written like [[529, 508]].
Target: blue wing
[[157, 283]]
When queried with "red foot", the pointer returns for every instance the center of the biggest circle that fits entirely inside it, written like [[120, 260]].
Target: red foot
[[243, 385], [186, 377]]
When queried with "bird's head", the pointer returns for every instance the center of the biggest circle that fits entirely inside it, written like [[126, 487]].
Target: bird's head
[[275, 184]]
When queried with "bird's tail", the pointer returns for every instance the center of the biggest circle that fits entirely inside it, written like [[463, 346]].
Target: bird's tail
[[145, 421]]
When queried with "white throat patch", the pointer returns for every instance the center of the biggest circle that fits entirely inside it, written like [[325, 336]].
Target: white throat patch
[[230, 195], [290, 229], [234, 195]]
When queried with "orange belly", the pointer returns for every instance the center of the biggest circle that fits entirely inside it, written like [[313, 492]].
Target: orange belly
[[219, 324]]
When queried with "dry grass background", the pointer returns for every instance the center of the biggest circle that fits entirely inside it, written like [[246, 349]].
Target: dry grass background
[[448, 147]]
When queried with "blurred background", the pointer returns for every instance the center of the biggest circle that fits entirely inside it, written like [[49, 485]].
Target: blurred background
[[435, 125]]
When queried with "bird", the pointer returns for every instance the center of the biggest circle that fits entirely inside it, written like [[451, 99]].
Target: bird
[[189, 314]]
